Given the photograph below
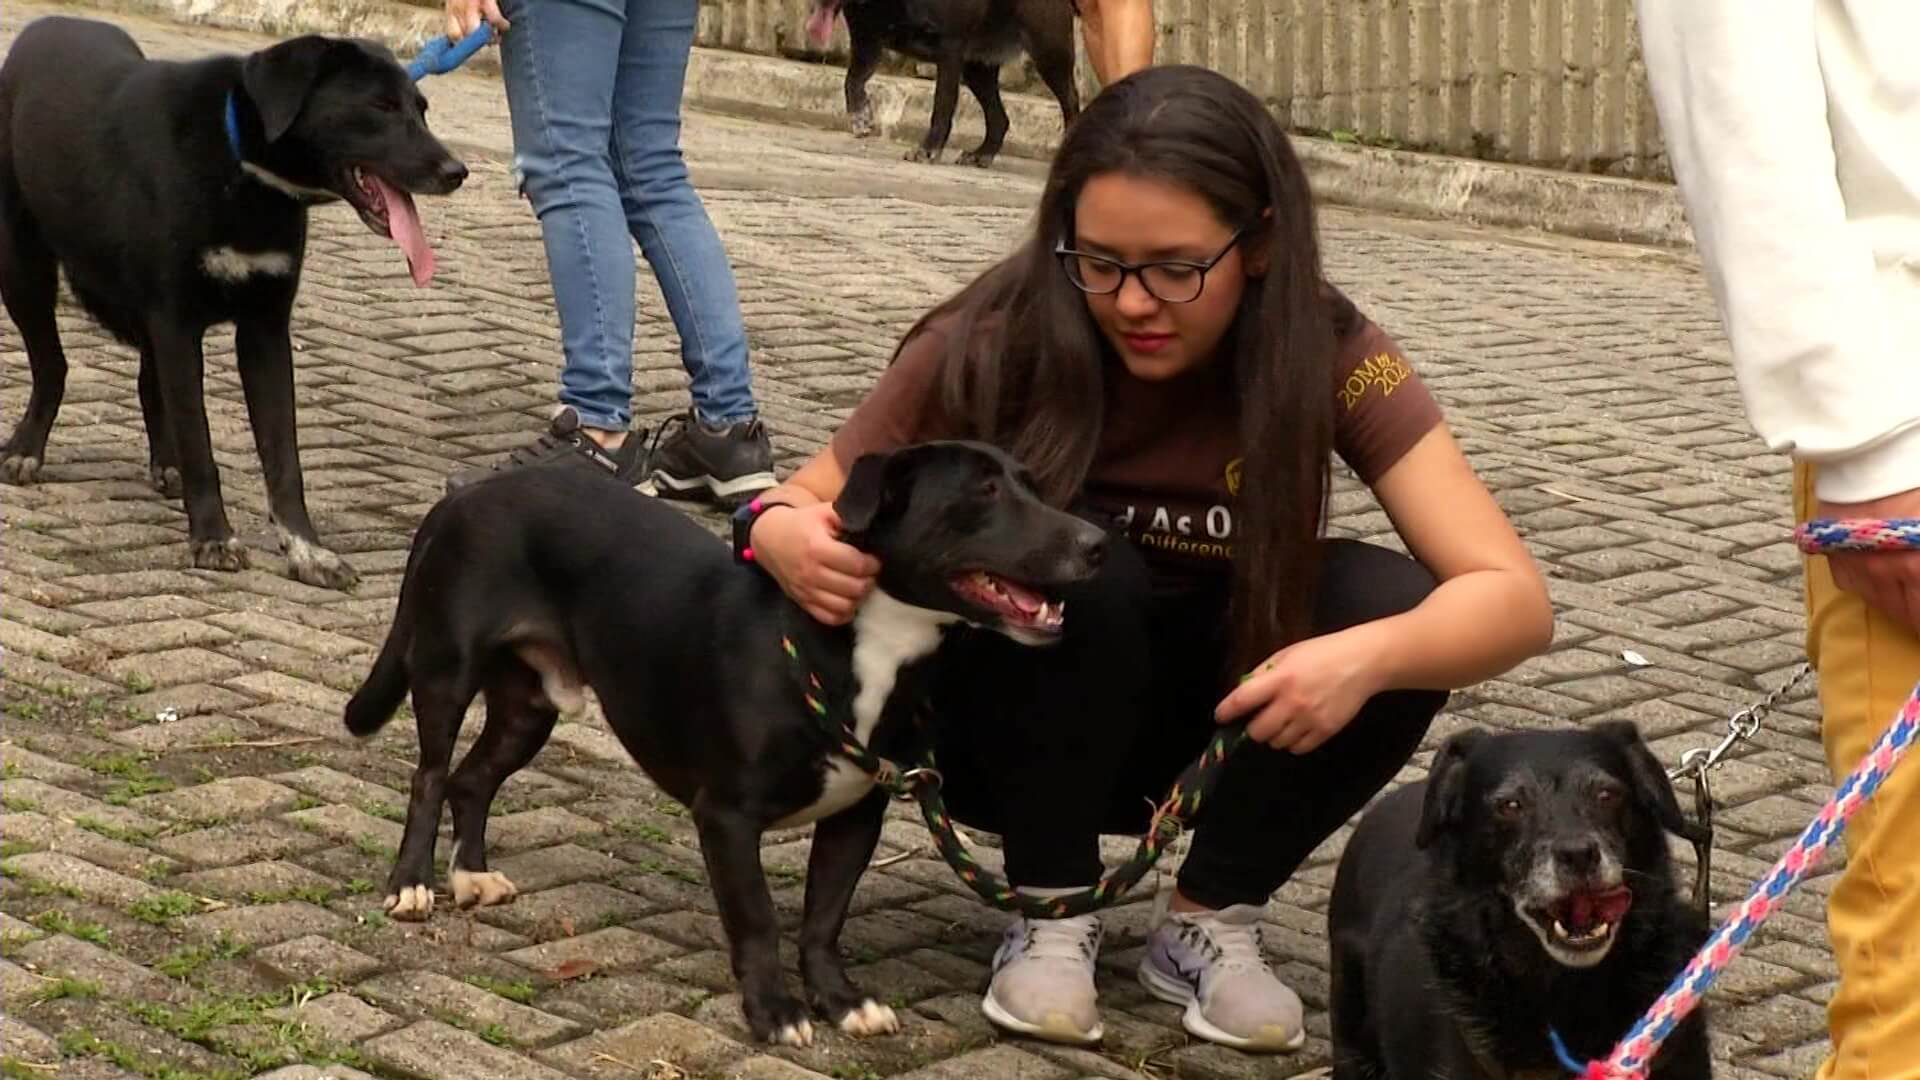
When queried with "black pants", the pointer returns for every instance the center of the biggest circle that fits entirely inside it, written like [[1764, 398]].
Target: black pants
[[1051, 747]]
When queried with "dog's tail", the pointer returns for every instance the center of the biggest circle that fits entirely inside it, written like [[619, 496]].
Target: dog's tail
[[374, 703], [386, 685]]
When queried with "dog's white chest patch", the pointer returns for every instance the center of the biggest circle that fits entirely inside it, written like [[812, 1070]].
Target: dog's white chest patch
[[887, 636], [228, 264]]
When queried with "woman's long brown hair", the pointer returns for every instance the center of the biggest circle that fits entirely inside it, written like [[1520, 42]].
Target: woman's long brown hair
[[1024, 367]]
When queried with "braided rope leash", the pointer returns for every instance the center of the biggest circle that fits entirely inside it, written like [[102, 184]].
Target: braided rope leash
[[1634, 1054]]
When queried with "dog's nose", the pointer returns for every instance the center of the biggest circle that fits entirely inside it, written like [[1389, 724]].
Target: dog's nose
[[453, 173], [1579, 856], [1092, 548]]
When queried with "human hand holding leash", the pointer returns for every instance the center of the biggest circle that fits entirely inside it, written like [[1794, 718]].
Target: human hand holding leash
[[1306, 693], [801, 547], [1889, 581], [463, 17]]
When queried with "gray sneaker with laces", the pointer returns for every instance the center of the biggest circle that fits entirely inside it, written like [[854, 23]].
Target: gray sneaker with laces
[[1211, 963], [1043, 980]]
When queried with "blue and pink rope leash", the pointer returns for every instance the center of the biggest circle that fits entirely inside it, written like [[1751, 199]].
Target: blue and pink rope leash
[[442, 54], [1634, 1054]]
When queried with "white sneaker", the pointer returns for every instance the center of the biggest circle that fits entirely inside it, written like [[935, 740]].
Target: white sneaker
[[1043, 980], [1211, 963]]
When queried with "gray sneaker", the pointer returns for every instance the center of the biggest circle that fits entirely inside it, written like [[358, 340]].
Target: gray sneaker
[[1043, 980], [1211, 963]]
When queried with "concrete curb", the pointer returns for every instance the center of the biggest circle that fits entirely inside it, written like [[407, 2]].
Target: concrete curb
[[762, 87]]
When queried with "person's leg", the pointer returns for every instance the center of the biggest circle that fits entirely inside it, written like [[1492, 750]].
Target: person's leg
[[1269, 810], [721, 450], [1032, 743], [1868, 664], [559, 61], [1119, 37]]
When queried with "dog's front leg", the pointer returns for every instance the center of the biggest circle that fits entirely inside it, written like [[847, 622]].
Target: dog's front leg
[[181, 366], [163, 459], [730, 842], [946, 98], [984, 81], [865, 60], [842, 847], [266, 373]]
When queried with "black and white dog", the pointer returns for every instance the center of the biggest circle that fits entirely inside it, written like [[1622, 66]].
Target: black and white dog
[[175, 197], [531, 585], [968, 40], [1525, 888]]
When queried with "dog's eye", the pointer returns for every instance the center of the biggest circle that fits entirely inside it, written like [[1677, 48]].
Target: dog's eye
[[1606, 796], [1509, 808], [989, 488], [387, 104]]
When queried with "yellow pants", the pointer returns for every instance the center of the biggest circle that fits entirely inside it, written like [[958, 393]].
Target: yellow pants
[[1868, 664]]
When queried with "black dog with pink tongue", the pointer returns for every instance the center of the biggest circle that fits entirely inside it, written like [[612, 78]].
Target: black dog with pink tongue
[[1525, 888]]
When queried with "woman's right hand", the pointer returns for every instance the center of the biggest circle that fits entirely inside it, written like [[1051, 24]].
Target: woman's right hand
[[800, 547], [463, 17]]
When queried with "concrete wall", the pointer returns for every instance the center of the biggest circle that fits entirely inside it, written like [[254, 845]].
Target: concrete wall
[[1556, 83]]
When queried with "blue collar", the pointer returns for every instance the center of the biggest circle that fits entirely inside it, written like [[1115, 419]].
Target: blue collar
[[233, 128]]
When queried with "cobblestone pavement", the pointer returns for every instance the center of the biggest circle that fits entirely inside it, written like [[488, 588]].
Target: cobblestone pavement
[[193, 843]]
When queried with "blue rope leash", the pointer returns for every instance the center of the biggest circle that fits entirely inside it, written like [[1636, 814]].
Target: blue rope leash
[[441, 54]]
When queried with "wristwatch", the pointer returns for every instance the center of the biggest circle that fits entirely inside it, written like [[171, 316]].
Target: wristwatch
[[743, 520]]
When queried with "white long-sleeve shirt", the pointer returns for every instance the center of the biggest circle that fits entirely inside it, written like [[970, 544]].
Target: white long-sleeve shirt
[[1793, 127]]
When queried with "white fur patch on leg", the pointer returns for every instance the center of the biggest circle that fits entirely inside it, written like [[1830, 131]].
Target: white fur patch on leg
[[412, 904], [871, 1018], [800, 1034], [481, 890], [314, 565]]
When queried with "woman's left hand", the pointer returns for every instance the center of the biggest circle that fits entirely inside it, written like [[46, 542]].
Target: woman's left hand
[[1306, 693]]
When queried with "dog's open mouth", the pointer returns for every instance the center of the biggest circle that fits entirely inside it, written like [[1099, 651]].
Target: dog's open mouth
[[820, 22], [1583, 922], [389, 212], [1014, 603]]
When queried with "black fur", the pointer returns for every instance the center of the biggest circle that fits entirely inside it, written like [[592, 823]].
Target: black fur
[[119, 170], [565, 569], [968, 40], [1434, 974]]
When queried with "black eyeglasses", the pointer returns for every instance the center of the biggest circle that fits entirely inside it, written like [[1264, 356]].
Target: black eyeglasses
[[1172, 281]]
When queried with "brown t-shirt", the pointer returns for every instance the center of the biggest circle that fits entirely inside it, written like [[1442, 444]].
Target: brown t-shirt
[[1167, 469]]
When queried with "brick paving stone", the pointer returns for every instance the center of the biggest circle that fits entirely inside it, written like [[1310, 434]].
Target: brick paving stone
[[663, 1037], [339, 1017], [432, 994], [1588, 382]]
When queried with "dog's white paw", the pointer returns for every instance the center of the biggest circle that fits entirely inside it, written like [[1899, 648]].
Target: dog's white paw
[[799, 1034], [413, 903], [228, 555], [871, 1018], [482, 890], [314, 565]]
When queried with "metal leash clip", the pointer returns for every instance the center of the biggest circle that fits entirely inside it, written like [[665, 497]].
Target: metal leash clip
[[1698, 764]]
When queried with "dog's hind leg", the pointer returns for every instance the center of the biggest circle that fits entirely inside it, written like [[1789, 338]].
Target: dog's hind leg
[[163, 464], [30, 287], [842, 846], [266, 374], [730, 843], [519, 719], [984, 80], [439, 705], [946, 98], [1051, 48]]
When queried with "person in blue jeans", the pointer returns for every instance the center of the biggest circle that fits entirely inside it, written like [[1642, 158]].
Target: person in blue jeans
[[593, 89]]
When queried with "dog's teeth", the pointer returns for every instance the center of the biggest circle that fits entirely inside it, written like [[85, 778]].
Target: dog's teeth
[[1560, 928]]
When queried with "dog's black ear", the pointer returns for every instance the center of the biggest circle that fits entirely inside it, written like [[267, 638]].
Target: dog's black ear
[[864, 493], [1651, 788], [1446, 787], [280, 77]]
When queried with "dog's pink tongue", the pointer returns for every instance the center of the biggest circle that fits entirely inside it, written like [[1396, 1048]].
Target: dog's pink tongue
[[403, 225], [820, 24]]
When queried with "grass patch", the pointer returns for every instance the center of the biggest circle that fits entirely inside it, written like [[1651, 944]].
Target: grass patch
[[519, 990], [238, 1025], [186, 962], [10, 848], [307, 802], [371, 847], [136, 778], [383, 812], [19, 804], [312, 894], [163, 907], [643, 831], [139, 682], [359, 887], [59, 922], [111, 832], [671, 870], [64, 988]]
